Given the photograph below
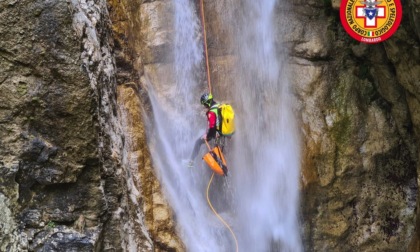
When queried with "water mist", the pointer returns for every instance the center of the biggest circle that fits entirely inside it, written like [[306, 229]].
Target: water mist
[[266, 150]]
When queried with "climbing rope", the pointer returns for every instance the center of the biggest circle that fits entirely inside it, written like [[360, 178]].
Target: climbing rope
[[205, 44], [218, 216], [203, 22]]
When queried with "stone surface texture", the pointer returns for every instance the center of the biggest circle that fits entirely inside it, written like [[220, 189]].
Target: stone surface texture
[[357, 104], [69, 166]]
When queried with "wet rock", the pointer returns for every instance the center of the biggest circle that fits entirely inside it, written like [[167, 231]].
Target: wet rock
[[355, 115], [38, 163], [156, 31], [32, 218], [150, 38], [59, 238], [61, 144], [359, 50], [8, 225], [336, 4]]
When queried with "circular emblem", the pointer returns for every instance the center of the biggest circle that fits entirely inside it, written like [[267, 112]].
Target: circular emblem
[[370, 21]]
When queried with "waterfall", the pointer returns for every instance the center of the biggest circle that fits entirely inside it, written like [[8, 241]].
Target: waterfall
[[266, 145], [177, 124], [260, 196]]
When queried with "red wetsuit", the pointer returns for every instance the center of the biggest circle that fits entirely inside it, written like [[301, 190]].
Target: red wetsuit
[[212, 121], [211, 128]]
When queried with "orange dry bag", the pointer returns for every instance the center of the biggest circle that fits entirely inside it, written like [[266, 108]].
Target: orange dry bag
[[216, 161]]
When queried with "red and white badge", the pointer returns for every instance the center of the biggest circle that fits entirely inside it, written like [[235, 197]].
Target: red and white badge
[[370, 21]]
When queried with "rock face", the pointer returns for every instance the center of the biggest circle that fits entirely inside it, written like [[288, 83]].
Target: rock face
[[141, 40], [358, 108], [49, 135], [69, 158]]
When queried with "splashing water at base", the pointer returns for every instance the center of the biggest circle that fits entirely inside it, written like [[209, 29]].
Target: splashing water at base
[[260, 198]]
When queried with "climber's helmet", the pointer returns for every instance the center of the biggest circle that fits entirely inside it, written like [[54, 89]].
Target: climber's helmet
[[206, 99]]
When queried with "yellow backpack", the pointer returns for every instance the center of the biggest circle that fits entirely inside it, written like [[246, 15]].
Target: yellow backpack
[[227, 124]]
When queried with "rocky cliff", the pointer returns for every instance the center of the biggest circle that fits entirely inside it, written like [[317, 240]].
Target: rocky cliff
[[70, 154], [76, 173], [359, 107]]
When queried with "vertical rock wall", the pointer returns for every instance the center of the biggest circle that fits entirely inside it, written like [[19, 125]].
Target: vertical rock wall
[[68, 178], [124, 228], [50, 165], [357, 107], [138, 43]]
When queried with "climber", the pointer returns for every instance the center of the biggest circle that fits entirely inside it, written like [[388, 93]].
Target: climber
[[213, 121]]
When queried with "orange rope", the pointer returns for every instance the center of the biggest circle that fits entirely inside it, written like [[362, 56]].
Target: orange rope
[[205, 44], [212, 208], [218, 216], [208, 146]]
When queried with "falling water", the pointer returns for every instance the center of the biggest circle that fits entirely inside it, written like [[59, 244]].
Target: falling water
[[266, 151], [177, 124], [260, 197]]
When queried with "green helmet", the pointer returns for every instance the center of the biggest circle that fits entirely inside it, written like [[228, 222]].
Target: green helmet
[[206, 99]]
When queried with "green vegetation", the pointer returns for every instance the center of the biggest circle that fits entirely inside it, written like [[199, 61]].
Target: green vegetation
[[51, 224], [341, 100], [22, 89], [341, 130]]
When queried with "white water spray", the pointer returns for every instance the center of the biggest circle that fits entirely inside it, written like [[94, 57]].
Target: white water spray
[[267, 151], [264, 159], [177, 124]]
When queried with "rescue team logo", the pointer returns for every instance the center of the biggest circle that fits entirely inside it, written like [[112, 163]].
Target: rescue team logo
[[370, 21]]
